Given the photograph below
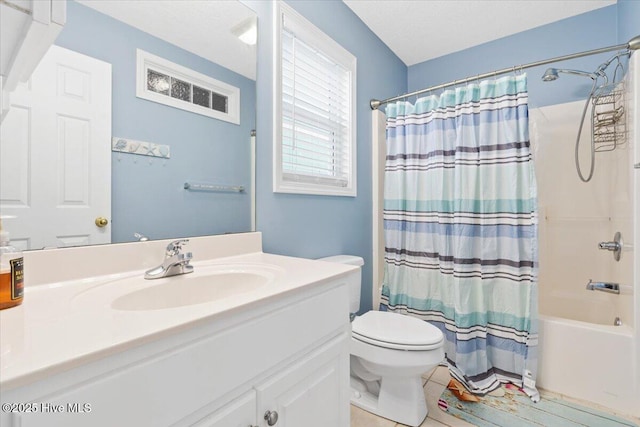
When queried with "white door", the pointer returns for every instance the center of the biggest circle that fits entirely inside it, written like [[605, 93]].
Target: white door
[[312, 393], [55, 154]]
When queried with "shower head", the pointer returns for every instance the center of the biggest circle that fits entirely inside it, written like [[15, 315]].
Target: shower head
[[553, 74], [550, 75]]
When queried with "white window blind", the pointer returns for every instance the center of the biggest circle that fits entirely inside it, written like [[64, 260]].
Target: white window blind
[[317, 139]]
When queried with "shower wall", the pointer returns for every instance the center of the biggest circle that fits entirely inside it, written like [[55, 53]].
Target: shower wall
[[577, 356], [576, 216], [581, 353]]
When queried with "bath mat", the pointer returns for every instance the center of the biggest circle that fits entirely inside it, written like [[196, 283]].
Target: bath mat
[[515, 409]]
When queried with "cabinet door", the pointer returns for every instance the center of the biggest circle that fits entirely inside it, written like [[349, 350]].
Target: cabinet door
[[311, 393], [239, 413]]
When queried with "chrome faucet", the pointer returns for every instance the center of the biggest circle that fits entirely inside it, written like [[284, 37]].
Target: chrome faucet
[[612, 288], [175, 262], [141, 237], [615, 246]]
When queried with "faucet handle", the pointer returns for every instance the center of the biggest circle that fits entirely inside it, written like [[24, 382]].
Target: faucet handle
[[175, 247]]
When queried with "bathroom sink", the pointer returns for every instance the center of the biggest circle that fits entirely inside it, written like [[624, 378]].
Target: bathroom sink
[[190, 289], [205, 284]]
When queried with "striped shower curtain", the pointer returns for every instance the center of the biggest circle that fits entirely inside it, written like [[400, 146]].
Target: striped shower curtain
[[460, 228]]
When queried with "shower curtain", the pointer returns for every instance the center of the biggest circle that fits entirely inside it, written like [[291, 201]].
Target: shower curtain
[[460, 228]]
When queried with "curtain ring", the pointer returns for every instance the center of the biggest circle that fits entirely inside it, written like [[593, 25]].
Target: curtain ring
[[432, 92]]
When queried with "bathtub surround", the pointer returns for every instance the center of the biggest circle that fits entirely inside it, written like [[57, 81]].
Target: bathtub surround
[[634, 126], [577, 327], [460, 222], [575, 217]]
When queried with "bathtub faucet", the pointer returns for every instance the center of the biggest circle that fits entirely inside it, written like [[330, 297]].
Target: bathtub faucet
[[612, 288], [609, 246]]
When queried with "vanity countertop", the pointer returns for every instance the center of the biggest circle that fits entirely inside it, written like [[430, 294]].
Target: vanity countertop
[[65, 324]]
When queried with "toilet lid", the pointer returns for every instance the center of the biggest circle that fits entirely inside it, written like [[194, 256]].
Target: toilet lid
[[396, 331]]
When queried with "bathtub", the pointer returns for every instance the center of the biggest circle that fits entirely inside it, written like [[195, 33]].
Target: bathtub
[[588, 361], [581, 353], [587, 306]]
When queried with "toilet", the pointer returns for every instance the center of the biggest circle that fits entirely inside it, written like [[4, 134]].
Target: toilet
[[389, 354]]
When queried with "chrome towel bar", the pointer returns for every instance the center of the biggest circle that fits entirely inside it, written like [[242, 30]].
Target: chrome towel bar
[[201, 186]]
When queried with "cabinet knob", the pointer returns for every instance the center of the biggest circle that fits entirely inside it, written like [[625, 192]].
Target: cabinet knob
[[271, 417]]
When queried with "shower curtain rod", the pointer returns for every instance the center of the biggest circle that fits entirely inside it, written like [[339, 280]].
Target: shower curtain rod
[[633, 44]]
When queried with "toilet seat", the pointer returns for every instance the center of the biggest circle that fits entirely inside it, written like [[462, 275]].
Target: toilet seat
[[396, 331]]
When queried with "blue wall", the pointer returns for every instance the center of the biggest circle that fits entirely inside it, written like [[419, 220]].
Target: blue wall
[[628, 20], [316, 226], [147, 193], [583, 32]]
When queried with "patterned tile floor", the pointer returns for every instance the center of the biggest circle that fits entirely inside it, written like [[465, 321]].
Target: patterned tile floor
[[435, 383]]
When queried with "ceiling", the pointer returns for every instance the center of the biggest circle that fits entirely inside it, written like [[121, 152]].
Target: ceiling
[[446, 26], [398, 23], [201, 27]]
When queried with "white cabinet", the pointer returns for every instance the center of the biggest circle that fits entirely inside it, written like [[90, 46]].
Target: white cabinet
[[238, 413], [310, 393], [290, 356]]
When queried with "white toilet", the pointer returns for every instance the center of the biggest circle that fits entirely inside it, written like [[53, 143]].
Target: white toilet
[[389, 353]]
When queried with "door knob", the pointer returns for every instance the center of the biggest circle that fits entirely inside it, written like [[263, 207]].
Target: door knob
[[101, 221], [271, 417]]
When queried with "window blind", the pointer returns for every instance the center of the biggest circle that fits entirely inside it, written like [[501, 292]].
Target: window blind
[[315, 115]]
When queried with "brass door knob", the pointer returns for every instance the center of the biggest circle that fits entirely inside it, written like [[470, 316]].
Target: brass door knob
[[102, 221]]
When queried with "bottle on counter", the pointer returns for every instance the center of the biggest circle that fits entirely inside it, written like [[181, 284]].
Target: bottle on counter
[[11, 272]]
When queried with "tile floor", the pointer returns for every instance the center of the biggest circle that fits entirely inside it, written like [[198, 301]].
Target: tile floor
[[435, 383]]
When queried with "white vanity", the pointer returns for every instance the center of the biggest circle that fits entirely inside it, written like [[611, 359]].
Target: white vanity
[[96, 344]]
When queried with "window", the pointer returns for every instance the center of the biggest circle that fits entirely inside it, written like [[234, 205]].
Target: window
[[171, 84], [314, 129]]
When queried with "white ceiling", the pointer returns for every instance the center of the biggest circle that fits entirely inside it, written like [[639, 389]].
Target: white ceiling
[[415, 30], [419, 30], [201, 27]]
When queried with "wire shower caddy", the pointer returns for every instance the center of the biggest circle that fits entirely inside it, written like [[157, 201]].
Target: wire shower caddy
[[608, 124]]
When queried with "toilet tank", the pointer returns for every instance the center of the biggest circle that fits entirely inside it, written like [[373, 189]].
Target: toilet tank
[[354, 280]]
